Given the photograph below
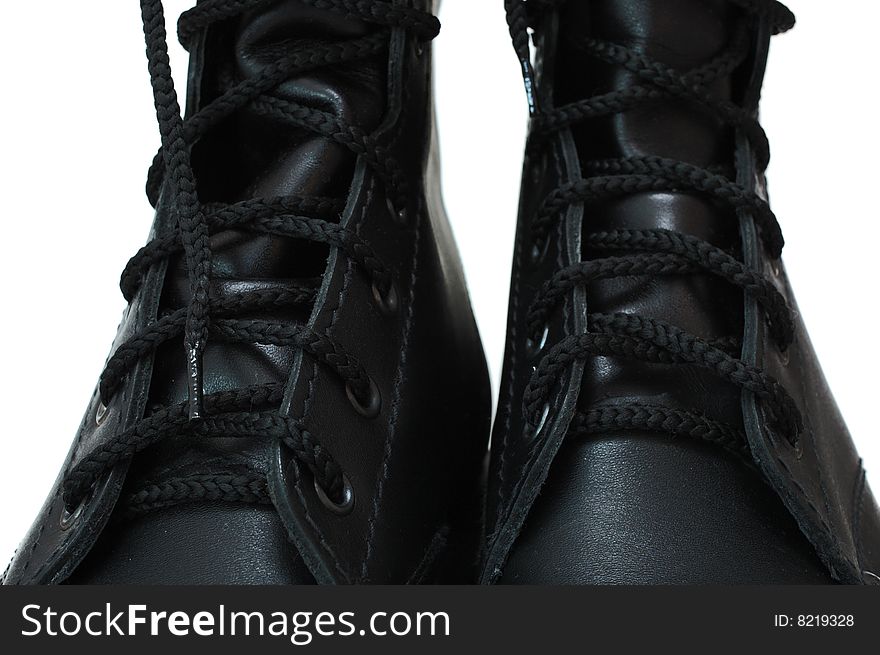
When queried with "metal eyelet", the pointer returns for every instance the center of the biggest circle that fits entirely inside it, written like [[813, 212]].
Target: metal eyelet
[[420, 49], [539, 251], [873, 576], [70, 518], [101, 414], [387, 302], [776, 267], [545, 415], [785, 356], [399, 216], [534, 348], [339, 508], [372, 407]]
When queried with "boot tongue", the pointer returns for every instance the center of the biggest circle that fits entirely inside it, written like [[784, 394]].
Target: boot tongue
[[264, 156], [682, 34], [255, 155]]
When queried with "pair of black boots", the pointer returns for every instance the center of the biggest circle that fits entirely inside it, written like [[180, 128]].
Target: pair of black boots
[[298, 392]]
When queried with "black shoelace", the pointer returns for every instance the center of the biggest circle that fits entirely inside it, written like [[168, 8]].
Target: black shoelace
[[252, 411], [653, 251]]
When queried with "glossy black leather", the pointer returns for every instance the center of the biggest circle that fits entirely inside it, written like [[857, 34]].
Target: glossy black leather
[[210, 543], [417, 468], [646, 508]]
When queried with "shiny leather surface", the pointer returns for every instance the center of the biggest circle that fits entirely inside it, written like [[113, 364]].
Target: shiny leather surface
[[650, 510], [416, 469], [209, 543], [646, 508]]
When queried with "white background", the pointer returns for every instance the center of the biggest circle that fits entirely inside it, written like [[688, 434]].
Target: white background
[[77, 131]]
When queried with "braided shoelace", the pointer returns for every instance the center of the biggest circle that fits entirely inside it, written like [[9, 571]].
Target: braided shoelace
[[651, 252], [251, 411]]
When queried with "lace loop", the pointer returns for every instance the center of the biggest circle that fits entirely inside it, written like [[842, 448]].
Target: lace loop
[[660, 82], [663, 252], [649, 340], [242, 94]]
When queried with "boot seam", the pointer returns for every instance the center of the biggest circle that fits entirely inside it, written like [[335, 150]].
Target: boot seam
[[392, 432]]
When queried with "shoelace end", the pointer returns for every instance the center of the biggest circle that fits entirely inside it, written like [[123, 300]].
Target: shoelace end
[[196, 390], [529, 81]]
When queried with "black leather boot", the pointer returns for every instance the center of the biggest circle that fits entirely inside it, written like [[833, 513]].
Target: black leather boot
[[663, 418], [298, 392]]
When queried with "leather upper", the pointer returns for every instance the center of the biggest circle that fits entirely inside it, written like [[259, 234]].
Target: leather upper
[[415, 468], [645, 507]]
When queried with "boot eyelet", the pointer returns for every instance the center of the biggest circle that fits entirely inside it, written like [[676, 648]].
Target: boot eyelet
[[101, 413], [69, 518], [785, 356], [387, 302], [542, 423], [371, 408], [535, 347], [420, 49], [399, 216], [346, 503], [874, 578], [539, 251]]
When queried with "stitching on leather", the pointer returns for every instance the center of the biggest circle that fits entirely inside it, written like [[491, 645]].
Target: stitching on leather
[[822, 486], [529, 465], [61, 542], [138, 306], [124, 395], [392, 138], [812, 507], [511, 346], [309, 397], [55, 497], [857, 513], [298, 488], [37, 542], [45, 522], [537, 445], [77, 445], [823, 524], [51, 558], [506, 508], [8, 566], [503, 505], [436, 545], [392, 432], [321, 540]]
